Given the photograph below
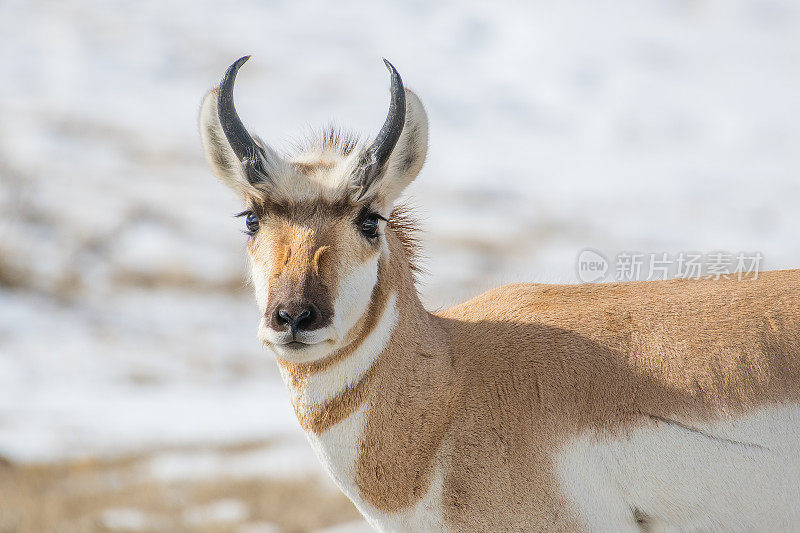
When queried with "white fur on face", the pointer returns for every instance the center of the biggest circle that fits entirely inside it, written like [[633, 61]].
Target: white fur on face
[[353, 297], [352, 300], [260, 275], [318, 343]]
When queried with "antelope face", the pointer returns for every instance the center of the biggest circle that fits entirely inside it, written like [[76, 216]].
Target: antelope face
[[314, 265], [316, 220]]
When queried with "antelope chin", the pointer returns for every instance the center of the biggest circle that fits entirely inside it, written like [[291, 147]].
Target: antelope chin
[[305, 347], [298, 352]]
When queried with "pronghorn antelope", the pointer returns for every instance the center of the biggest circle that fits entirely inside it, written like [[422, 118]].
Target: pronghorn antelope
[[658, 406]]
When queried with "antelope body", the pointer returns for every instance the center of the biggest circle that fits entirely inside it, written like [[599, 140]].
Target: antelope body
[[655, 406]]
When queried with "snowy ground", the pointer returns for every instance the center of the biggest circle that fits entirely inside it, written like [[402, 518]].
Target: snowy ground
[[125, 323]]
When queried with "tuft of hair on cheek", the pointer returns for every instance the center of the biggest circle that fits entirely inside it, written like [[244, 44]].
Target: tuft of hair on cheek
[[403, 225]]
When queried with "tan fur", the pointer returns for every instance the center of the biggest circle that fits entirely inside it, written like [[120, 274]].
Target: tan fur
[[614, 357], [456, 420], [501, 381]]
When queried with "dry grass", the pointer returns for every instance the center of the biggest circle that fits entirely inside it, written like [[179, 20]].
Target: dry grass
[[83, 496]]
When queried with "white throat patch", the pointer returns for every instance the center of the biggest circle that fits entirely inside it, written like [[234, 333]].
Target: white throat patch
[[323, 386]]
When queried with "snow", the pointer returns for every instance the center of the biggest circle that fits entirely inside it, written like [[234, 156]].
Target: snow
[[260, 527], [348, 527], [125, 318], [126, 519], [218, 512], [287, 460]]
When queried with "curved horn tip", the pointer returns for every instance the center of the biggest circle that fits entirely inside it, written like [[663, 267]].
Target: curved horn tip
[[392, 70], [380, 150], [234, 68], [240, 140]]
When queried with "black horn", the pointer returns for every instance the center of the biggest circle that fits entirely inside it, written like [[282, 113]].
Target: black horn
[[378, 153], [242, 143]]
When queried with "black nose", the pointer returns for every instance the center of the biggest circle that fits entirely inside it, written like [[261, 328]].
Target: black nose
[[297, 316]]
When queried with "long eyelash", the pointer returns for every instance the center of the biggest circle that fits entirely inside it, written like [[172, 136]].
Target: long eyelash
[[244, 213], [377, 233]]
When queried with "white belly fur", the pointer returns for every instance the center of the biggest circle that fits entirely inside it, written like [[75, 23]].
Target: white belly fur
[[742, 474]]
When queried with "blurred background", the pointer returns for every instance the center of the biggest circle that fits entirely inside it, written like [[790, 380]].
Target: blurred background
[[133, 393]]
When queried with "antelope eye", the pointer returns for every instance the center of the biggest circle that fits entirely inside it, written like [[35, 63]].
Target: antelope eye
[[251, 222], [369, 226]]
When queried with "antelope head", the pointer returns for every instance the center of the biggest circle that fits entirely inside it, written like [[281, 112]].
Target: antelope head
[[316, 219]]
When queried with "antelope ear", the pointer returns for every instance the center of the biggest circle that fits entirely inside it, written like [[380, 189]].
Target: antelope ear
[[219, 154], [408, 156]]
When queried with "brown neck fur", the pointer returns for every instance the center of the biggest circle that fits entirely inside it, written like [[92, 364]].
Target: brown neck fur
[[416, 338], [485, 393], [413, 400]]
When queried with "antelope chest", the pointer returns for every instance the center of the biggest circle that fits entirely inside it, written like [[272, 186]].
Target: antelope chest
[[336, 424], [339, 449]]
